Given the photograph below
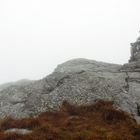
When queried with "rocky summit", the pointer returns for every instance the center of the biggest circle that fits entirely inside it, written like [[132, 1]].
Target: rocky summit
[[79, 81]]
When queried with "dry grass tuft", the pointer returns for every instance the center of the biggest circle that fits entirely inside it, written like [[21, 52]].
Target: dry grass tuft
[[99, 121]]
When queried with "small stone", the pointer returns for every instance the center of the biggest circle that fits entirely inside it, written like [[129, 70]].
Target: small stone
[[18, 131]]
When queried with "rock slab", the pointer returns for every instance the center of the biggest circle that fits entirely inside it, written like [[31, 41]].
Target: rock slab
[[79, 81]]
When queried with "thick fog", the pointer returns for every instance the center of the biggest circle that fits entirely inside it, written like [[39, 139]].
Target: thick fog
[[37, 35]]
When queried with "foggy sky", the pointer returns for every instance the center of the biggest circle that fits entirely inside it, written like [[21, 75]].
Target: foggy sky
[[37, 35]]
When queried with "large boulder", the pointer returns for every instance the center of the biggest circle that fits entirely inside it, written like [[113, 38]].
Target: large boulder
[[79, 81]]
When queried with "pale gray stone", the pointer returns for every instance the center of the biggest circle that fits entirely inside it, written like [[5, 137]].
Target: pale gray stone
[[79, 81], [18, 131]]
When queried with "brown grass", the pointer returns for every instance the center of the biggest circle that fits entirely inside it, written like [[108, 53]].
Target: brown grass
[[100, 121]]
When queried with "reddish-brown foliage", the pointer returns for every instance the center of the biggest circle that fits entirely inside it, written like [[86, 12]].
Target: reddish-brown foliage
[[100, 121]]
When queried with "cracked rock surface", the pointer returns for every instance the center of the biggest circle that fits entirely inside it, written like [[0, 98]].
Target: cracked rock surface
[[79, 81]]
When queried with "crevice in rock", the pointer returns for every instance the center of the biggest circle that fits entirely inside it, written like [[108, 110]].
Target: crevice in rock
[[138, 109], [18, 102], [61, 81], [134, 80], [80, 72], [127, 82]]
